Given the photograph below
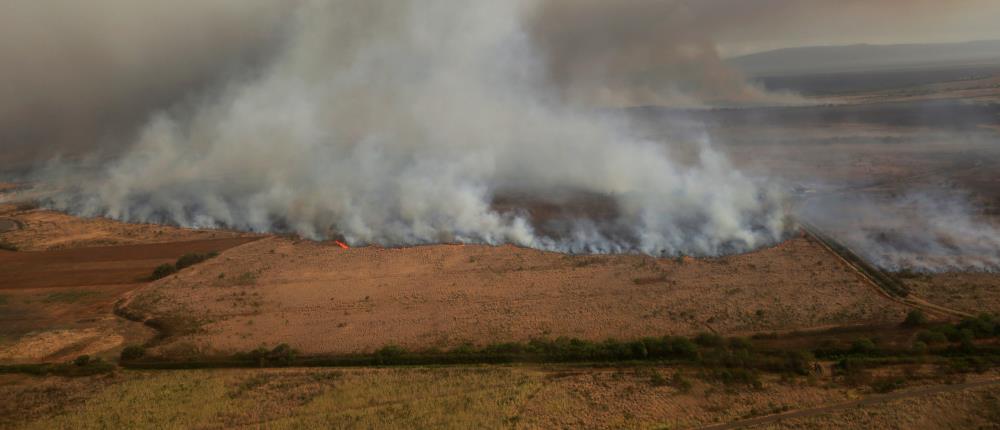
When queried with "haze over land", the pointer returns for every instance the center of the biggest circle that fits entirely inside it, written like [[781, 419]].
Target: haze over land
[[401, 124]]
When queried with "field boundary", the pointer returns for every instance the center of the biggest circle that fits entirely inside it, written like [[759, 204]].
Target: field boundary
[[886, 284]]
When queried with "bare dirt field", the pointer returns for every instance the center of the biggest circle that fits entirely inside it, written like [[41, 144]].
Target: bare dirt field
[[322, 299], [54, 304], [109, 265]]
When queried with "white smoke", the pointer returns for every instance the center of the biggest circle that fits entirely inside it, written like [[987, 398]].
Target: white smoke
[[398, 123], [927, 230]]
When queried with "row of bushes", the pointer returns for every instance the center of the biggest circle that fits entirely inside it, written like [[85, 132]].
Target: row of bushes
[[941, 338], [83, 365], [187, 260], [706, 350], [964, 332]]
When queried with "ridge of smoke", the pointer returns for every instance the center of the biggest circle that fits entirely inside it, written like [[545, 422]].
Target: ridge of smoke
[[398, 124]]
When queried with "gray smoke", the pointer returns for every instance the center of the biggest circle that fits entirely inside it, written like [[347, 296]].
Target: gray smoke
[[932, 230], [84, 75], [640, 52], [79, 75], [398, 123]]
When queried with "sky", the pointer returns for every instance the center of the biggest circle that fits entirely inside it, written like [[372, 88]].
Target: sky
[[746, 26], [88, 72]]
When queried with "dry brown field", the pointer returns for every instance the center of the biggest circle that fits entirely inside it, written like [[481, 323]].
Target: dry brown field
[[478, 397], [323, 299]]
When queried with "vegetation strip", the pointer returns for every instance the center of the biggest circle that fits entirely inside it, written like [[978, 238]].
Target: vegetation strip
[[887, 284], [969, 345]]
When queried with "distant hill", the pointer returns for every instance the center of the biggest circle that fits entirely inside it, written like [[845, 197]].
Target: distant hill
[[836, 59]]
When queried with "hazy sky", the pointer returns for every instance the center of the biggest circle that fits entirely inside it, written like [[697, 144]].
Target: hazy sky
[[742, 26], [76, 72]]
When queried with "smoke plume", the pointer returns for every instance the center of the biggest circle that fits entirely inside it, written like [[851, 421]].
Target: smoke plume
[[400, 123], [930, 230], [639, 52]]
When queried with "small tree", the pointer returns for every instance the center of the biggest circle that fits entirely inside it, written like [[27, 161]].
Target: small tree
[[915, 318], [133, 352], [163, 270], [863, 346], [680, 383]]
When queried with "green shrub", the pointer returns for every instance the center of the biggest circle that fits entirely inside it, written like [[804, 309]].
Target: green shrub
[[188, 260], [246, 279], [949, 332], [388, 354], [853, 371], [280, 356], [740, 343], [736, 376], [684, 347], [82, 360], [7, 246], [133, 352], [680, 383], [799, 362], [981, 327], [710, 340], [932, 337], [657, 380], [887, 384], [965, 340], [915, 318], [863, 346], [162, 271]]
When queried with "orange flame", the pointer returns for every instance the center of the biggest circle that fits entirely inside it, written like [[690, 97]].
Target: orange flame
[[342, 244]]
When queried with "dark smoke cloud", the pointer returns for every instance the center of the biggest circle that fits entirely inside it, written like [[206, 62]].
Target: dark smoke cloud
[[81, 74]]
